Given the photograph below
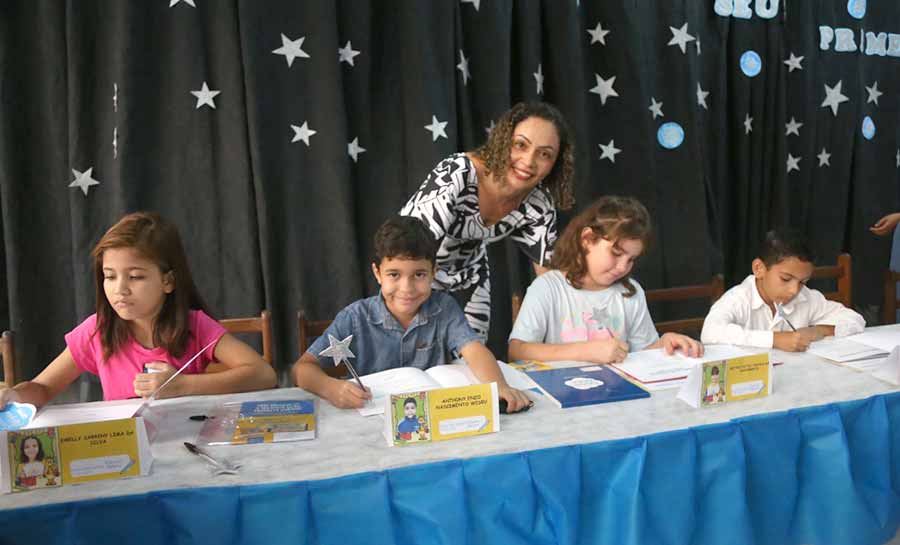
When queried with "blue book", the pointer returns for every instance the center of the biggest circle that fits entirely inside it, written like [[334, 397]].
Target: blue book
[[577, 386]]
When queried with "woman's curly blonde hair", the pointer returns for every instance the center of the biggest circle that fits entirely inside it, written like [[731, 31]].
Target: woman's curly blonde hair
[[495, 150]]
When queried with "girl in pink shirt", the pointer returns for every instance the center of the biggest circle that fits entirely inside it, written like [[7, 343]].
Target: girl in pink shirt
[[149, 318]]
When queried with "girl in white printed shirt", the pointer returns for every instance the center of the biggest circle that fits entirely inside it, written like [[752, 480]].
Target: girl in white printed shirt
[[587, 308]]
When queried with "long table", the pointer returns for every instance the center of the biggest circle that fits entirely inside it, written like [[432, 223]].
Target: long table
[[817, 462]]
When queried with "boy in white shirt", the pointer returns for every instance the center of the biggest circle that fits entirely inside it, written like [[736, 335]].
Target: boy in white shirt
[[773, 307]]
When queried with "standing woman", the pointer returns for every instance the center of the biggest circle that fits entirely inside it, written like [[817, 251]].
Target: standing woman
[[510, 186]]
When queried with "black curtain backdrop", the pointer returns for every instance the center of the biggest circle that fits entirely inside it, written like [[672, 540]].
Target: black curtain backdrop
[[277, 216]]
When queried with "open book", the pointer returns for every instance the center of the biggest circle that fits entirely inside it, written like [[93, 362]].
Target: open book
[[657, 370], [410, 379], [847, 352]]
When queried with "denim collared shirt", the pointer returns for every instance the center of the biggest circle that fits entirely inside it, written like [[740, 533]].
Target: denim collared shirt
[[435, 336]]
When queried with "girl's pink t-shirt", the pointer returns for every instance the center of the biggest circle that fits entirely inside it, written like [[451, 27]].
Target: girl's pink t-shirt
[[117, 373]]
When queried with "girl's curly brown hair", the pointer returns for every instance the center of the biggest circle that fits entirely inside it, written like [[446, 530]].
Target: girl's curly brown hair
[[495, 150], [613, 218]]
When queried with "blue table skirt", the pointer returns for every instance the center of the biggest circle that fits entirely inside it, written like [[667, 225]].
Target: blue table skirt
[[820, 475]]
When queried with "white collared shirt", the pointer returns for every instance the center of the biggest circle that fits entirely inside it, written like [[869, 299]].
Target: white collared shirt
[[741, 316]]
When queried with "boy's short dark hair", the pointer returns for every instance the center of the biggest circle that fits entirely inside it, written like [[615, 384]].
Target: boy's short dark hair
[[410, 400], [781, 244], [404, 237]]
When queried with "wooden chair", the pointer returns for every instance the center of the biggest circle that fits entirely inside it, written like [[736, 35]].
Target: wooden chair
[[261, 324], [8, 353], [889, 311], [307, 331], [711, 291], [842, 273]]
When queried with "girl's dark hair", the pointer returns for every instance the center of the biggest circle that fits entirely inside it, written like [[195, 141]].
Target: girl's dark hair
[[404, 237], [781, 244], [156, 240], [495, 150], [613, 218], [40, 454]]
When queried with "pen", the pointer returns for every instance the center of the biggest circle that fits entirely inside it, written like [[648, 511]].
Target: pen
[[200, 417], [221, 465], [780, 310]]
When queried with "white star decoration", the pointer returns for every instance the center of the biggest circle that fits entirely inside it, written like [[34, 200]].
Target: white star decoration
[[698, 47], [793, 62], [291, 49], [188, 2], [656, 108], [680, 37], [793, 163], [701, 96], [874, 93], [898, 157], [463, 67], [598, 34], [475, 3], [792, 127], [205, 96], [609, 151], [833, 97], [345, 54], [490, 127], [824, 158], [437, 128], [604, 88], [539, 80], [83, 180], [339, 351], [354, 149], [748, 124], [303, 132]]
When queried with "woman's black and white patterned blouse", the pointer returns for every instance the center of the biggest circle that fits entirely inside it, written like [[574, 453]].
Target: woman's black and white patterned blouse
[[447, 201]]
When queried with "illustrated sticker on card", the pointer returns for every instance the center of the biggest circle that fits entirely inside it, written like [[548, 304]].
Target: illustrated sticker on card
[[716, 382], [440, 414]]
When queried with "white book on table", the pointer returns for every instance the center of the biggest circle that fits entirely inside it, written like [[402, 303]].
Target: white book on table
[[411, 379], [885, 337], [657, 367], [844, 350]]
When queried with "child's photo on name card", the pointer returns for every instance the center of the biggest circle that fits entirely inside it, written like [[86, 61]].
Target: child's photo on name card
[[714, 382], [409, 414], [33, 459]]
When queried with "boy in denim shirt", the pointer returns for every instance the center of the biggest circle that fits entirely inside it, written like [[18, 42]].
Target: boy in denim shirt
[[405, 325]]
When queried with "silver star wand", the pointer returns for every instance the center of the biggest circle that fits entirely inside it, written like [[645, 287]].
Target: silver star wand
[[339, 351]]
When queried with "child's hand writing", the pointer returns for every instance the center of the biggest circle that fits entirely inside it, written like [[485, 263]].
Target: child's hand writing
[[676, 341], [344, 394], [516, 400], [147, 383], [795, 341], [611, 350]]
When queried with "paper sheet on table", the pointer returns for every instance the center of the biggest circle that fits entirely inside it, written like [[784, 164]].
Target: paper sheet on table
[[76, 413], [889, 368]]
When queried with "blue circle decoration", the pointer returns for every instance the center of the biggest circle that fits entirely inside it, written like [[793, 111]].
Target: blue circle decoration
[[857, 8], [751, 64], [868, 128], [670, 135]]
